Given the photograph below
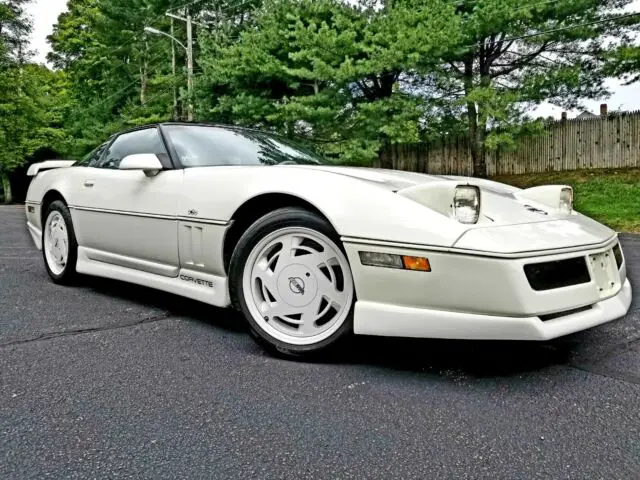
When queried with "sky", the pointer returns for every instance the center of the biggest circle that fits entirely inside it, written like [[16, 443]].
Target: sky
[[45, 14]]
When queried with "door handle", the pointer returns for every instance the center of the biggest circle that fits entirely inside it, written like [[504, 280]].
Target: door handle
[[88, 183]]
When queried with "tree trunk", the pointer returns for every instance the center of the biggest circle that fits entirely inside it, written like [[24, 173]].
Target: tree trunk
[[144, 76], [476, 132], [6, 187], [385, 157], [143, 86]]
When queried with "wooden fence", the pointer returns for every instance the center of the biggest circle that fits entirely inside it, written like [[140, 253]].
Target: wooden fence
[[599, 142]]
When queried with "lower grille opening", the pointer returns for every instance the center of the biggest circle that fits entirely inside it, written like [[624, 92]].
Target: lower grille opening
[[617, 252], [558, 274], [565, 313]]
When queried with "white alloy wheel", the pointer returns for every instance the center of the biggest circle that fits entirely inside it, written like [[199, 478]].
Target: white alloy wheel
[[297, 285], [56, 242]]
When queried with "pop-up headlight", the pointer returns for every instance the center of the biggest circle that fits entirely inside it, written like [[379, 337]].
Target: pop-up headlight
[[566, 200], [466, 204]]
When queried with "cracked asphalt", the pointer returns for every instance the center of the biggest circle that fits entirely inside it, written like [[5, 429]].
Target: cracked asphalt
[[110, 380]]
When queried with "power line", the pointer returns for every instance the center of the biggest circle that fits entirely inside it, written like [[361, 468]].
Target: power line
[[122, 90], [151, 60], [237, 4], [526, 7], [159, 94], [562, 29], [173, 9], [194, 2]]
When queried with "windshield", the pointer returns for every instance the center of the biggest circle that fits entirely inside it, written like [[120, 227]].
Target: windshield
[[205, 146], [92, 157]]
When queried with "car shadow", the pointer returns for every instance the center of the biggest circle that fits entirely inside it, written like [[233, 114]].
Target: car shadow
[[475, 358], [175, 305], [472, 358]]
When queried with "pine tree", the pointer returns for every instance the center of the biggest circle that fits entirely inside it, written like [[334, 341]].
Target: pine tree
[[518, 53]]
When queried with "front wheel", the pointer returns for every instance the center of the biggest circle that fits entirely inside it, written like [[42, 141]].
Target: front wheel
[[290, 278], [59, 245]]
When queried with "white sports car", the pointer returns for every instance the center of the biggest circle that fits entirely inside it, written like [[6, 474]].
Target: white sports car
[[310, 252]]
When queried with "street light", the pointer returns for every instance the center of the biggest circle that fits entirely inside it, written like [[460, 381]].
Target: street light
[[155, 31], [189, 49]]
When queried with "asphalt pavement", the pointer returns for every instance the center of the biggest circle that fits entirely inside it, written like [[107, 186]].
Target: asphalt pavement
[[111, 380]]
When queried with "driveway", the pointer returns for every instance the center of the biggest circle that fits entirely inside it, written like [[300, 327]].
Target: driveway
[[110, 380]]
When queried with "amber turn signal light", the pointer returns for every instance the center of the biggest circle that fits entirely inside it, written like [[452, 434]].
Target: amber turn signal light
[[391, 260], [416, 263]]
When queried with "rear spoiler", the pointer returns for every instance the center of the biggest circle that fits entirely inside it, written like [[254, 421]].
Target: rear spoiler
[[48, 165]]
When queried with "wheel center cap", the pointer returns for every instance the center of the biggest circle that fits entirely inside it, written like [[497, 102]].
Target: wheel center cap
[[297, 285]]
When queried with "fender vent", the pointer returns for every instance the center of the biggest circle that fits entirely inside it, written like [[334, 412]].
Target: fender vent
[[558, 274]]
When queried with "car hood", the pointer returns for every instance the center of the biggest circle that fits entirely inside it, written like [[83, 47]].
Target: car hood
[[389, 179], [500, 205], [509, 223], [396, 180]]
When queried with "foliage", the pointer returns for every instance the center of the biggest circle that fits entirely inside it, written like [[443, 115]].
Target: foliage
[[625, 62], [122, 76], [328, 71], [355, 78], [349, 77], [518, 53], [31, 113], [14, 31], [15, 28], [103, 48]]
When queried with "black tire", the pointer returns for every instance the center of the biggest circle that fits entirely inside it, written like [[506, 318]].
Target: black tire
[[276, 220], [68, 274]]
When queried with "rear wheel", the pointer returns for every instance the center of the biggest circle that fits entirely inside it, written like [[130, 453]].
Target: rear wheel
[[59, 245], [290, 278]]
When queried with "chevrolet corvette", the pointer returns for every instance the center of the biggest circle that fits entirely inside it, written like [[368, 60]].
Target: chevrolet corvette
[[309, 252]]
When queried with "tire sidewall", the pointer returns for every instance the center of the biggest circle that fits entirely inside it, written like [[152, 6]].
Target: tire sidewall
[[69, 272], [277, 220]]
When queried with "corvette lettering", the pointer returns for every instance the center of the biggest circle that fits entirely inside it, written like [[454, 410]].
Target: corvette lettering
[[198, 281]]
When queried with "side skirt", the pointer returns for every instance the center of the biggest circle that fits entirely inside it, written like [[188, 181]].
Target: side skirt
[[198, 286]]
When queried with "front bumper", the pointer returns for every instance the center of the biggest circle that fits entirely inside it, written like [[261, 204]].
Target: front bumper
[[473, 297], [373, 318], [32, 211]]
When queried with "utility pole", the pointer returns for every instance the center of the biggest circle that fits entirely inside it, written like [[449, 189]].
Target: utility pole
[[190, 65], [189, 48], [173, 65]]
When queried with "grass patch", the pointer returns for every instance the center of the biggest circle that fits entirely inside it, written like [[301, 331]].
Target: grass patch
[[610, 196]]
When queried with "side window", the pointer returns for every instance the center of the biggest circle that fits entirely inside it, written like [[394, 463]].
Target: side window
[[140, 141], [92, 157]]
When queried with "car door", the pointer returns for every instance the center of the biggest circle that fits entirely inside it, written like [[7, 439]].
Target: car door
[[125, 217]]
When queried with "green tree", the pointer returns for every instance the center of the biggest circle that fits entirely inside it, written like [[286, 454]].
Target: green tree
[[624, 62], [14, 36], [333, 73], [15, 28], [32, 107], [119, 75], [353, 77], [518, 53]]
